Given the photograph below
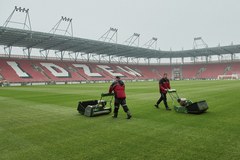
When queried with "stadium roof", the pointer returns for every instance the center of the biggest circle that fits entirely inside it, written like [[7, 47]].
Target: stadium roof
[[48, 41]]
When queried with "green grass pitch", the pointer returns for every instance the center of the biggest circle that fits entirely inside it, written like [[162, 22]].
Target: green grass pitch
[[42, 123]]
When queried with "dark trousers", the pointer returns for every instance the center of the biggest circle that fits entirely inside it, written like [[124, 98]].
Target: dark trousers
[[122, 102], [164, 98]]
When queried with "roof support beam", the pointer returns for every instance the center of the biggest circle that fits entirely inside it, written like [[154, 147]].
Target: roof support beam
[[44, 53], [60, 54], [8, 51], [29, 50]]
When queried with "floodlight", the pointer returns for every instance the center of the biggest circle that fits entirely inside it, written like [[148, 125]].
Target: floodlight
[[154, 38]]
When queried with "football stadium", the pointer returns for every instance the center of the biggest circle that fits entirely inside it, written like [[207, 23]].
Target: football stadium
[[40, 96]]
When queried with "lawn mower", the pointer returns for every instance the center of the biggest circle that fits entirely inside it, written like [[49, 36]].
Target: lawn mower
[[185, 105], [93, 108]]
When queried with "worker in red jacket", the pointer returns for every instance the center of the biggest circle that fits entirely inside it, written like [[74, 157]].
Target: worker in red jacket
[[118, 88], [164, 85]]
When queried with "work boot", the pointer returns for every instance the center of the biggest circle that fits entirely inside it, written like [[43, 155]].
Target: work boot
[[129, 116], [115, 115], [156, 106]]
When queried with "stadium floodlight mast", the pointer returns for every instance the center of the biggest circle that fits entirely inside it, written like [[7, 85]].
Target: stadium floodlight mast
[[198, 43], [67, 31], [63, 27], [110, 36], [20, 10], [26, 23], [133, 40], [151, 44]]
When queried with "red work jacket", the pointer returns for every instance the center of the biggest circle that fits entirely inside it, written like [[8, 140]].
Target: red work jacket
[[119, 89]]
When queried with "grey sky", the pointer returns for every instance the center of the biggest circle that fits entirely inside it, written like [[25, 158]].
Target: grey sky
[[174, 22]]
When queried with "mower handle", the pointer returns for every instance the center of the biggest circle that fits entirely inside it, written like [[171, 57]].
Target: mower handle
[[171, 90], [107, 94]]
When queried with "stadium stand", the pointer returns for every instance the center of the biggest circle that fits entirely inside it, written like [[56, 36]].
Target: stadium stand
[[29, 71], [233, 68], [211, 71]]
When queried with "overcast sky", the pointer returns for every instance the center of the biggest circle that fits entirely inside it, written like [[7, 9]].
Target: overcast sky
[[174, 22]]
